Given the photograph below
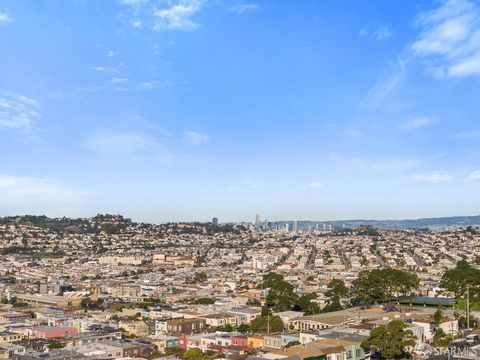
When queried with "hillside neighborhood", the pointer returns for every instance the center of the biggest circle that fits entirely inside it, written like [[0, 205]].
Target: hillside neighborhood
[[108, 287]]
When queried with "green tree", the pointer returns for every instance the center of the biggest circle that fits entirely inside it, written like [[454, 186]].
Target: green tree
[[438, 316], [244, 328], [198, 278], [225, 328], [293, 343], [307, 304], [203, 301], [193, 354], [457, 280], [440, 338], [56, 345], [174, 351], [336, 291], [390, 341], [281, 295], [383, 284], [263, 324]]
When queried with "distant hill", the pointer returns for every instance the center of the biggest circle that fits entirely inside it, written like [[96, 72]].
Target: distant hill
[[424, 223]]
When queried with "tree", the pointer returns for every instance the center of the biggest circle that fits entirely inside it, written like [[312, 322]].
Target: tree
[[336, 291], [383, 284], [198, 278], [203, 301], [244, 328], [390, 341], [437, 316], [174, 351], [457, 280], [253, 302], [193, 354], [281, 295], [440, 338], [293, 343], [225, 328], [307, 304], [263, 324], [56, 345]]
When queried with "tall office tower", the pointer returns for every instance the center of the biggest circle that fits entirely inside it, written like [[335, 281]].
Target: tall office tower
[[265, 225], [215, 221], [257, 221], [295, 226]]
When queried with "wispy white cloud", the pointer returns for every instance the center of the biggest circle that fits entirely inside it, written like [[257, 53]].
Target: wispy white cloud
[[474, 176], [195, 138], [5, 18], [354, 133], [18, 112], [120, 143], [246, 184], [125, 85], [395, 165], [244, 8], [103, 69], [178, 16], [137, 23], [448, 44], [363, 32], [385, 85], [449, 39], [433, 178], [168, 15], [381, 33], [133, 2], [309, 186], [468, 134], [416, 122], [117, 81]]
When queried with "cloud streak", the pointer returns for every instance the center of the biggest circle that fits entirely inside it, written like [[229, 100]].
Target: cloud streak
[[120, 143], [5, 18], [195, 138], [433, 178], [416, 123], [449, 39], [18, 112], [245, 8], [178, 16]]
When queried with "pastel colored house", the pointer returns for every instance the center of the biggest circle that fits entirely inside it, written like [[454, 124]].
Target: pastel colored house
[[240, 341], [182, 342], [50, 332], [163, 342], [255, 342], [272, 341], [288, 338]]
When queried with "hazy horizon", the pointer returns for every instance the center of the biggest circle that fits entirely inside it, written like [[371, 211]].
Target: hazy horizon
[[185, 110]]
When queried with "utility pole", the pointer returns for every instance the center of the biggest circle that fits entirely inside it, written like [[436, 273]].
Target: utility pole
[[468, 307], [268, 323]]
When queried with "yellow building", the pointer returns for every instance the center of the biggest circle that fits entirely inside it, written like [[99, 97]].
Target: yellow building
[[255, 342], [137, 328]]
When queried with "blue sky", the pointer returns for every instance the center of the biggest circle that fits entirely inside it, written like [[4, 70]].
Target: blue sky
[[169, 110]]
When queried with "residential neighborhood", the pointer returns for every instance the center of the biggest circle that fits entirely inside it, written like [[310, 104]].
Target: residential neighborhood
[[107, 287]]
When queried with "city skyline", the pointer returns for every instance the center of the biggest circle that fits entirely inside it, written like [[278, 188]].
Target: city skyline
[[187, 110]]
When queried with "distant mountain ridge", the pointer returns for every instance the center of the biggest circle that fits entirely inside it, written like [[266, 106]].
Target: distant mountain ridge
[[117, 222], [422, 223]]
